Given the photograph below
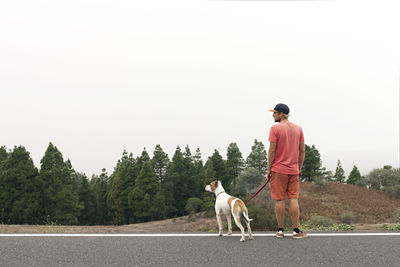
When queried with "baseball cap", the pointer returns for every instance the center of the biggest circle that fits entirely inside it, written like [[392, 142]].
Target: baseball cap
[[281, 108]]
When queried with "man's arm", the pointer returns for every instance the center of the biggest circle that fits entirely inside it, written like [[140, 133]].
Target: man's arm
[[302, 153], [271, 156]]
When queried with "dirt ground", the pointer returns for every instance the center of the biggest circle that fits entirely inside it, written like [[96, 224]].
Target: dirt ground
[[181, 224]]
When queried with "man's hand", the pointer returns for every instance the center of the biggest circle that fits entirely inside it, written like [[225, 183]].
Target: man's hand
[[269, 174]]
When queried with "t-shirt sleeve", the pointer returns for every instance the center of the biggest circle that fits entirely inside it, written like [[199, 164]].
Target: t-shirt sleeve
[[273, 135], [301, 135]]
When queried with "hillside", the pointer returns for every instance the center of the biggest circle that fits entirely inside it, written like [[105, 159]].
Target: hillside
[[331, 200], [367, 205]]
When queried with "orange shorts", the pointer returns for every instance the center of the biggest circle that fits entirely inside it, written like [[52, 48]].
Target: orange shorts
[[284, 183]]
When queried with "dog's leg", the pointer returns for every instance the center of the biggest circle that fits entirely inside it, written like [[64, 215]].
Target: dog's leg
[[237, 221], [219, 220], [249, 230], [229, 219]]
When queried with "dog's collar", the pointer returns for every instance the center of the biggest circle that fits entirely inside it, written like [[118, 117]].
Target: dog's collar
[[220, 193]]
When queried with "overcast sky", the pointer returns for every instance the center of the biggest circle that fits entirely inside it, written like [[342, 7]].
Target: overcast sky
[[97, 77]]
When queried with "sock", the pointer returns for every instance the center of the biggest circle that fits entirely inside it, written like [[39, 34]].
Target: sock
[[281, 229], [296, 230]]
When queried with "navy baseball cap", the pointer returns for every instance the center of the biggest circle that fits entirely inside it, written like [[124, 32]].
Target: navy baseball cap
[[281, 108]]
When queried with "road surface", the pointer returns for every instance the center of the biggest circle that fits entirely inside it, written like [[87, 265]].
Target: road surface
[[184, 249]]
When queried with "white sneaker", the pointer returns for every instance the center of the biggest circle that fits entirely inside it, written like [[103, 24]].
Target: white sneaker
[[279, 234], [299, 235]]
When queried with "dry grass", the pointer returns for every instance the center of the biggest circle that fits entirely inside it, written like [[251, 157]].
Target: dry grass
[[367, 205]]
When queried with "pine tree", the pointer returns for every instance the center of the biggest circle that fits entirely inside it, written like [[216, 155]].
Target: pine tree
[[145, 199], [115, 199], [219, 167], [194, 179], [168, 191], [198, 175], [249, 181], [144, 157], [3, 153], [198, 162], [59, 197], [258, 157], [160, 162], [3, 199], [121, 184], [354, 176], [87, 201], [234, 163], [19, 196], [209, 172], [189, 172], [99, 187], [178, 182], [312, 165], [339, 173]]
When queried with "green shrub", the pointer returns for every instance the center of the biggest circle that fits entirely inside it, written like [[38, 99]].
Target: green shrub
[[47, 221], [343, 227], [2, 217], [335, 227], [262, 220], [318, 220], [395, 227], [193, 205], [259, 215], [347, 217], [208, 209]]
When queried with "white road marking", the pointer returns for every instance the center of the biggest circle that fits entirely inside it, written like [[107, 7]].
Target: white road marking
[[179, 235]]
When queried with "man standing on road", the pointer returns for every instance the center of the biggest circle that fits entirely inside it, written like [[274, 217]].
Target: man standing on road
[[285, 159]]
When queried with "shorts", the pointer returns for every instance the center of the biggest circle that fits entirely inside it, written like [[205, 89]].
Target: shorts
[[282, 184]]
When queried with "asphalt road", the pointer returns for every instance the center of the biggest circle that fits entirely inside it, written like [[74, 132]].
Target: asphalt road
[[200, 251]]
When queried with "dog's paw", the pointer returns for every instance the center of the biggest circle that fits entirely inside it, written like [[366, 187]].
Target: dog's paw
[[251, 238], [220, 233], [242, 240], [230, 233]]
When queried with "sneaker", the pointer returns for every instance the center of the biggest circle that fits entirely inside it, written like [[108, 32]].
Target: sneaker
[[299, 235], [279, 234]]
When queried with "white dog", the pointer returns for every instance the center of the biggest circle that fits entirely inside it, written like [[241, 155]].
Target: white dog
[[226, 204]]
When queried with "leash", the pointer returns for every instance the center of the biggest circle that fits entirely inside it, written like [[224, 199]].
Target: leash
[[269, 178]]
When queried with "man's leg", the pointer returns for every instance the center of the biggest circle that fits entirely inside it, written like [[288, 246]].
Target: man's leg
[[294, 212], [280, 212], [278, 192], [293, 195]]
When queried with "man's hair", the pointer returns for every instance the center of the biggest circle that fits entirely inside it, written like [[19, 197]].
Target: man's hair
[[285, 116]]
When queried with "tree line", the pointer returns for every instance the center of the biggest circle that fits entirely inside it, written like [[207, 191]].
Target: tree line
[[386, 179], [140, 189]]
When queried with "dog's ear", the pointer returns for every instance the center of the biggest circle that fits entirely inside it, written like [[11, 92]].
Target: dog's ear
[[216, 183]]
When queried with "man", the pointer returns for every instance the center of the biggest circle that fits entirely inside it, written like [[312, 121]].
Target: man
[[285, 159]]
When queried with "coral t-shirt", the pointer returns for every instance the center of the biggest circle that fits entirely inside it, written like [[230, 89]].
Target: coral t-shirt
[[287, 137]]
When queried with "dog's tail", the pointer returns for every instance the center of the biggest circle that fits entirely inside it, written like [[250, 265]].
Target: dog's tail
[[246, 216]]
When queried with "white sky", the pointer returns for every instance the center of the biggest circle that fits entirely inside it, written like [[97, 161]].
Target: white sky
[[98, 77]]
